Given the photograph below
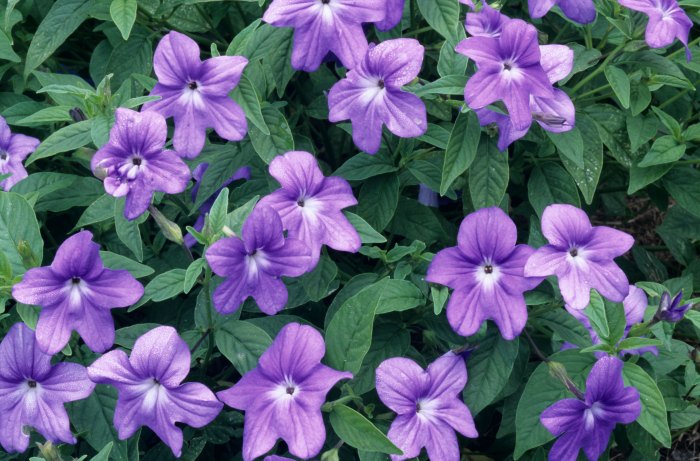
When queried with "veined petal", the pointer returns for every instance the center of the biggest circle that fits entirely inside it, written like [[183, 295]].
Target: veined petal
[[410, 434], [464, 312], [404, 114], [162, 354], [557, 61], [581, 11], [450, 267], [400, 382], [221, 74], [228, 118], [176, 59]]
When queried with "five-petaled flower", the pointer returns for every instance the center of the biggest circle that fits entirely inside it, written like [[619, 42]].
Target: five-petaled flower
[[14, 148], [321, 26], [195, 93], [32, 391], [428, 404], [283, 395], [581, 256], [253, 264], [135, 163], [76, 292], [310, 204], [508, 69], [485, 270], [150, 387], [371, 95], [587, 424], [667, 22], [581, 11]]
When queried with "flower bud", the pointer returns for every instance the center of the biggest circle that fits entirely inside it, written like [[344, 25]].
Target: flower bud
[[558, 370], [25, 252], [171, 231], [671, 310]]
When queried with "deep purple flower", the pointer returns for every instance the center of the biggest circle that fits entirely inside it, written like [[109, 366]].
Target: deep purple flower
[[195, 93], [282, 396], [427, 196], [135, 164], [509, 69], [581, 11], [76, 293], [253, 264], [667, 22], [488, 22], [32, 391], [310, 204], [394, 13], [671, 310], [428, 404], [581, 256], [150, 389], [371, 96], [485, 270], [326, 25], [587, 424], [14, 148]]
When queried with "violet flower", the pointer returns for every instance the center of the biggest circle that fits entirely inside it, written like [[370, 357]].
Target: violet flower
[[76, 293], [14, 148], [508, 69], [310, 204], [370, 95], [587, 424], [428, 404], [394, 14], [581, 11], [283, 395], [253, 264], [488, 22], [485, 270], [150, 388], [469, 3], [667, 22], [32, 391], [135, 164], [321, 26], [195, 93], [581, 256], [671, 310]]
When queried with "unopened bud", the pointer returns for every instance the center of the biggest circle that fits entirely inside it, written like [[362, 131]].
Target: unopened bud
[[549, 119], [171, 231], [100, 173], [330, 455], [558, 370], [77, 114], [228, 232], [25, 252]]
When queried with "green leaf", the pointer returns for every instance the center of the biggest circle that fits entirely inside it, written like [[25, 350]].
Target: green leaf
[[664, 150], [399, 295], [103, 455], [388, 340], [46, 116], [278, 141], [64, 17], [442, 15], [439, 295], [447, 85], [242, 343], [684, 186], [219, 211], [488, 175], [100, 210], [367, 233], [461, 148], [620, 83], [549, 183], [636, 343], [66, 139], [19, 228], [246, 96], [123, 13], [224, 161], [358, 432], [587, 176], [607, 318], [640, 130], [192, 273], [116, 261], [166, 285], [378, 200], [669, 122], [653, 417], [450, 62], [128, 231], [569, 145], [363, 166], [417, 222], [317, 283]]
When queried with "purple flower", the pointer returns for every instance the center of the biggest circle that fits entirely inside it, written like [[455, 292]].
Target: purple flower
[[282, 396], [427, 196], [150, 389], [485, 270], [32, 391], [508, 69], [671, 310], [253, 264], [277, 458], [76, 293], [587, 424], [581, 11], [469, 3], [310, 204], [428, 404], [321, 26], [195, 93], [581, 256], [667, 22], [394, 13], [488, 22], [135, 164], [14, 148], [371, 95]]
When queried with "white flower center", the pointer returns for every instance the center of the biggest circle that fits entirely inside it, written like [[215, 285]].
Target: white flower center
[[488, 274], [286, 390]]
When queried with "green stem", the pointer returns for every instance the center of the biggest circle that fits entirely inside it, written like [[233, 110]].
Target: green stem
[[592, 92], [600, 68], [587, 36], [413, 33]]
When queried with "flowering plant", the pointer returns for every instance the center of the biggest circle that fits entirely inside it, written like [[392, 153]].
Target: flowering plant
[[349, 230]]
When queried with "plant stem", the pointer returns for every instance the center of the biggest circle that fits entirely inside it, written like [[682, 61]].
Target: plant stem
[[600, 68]]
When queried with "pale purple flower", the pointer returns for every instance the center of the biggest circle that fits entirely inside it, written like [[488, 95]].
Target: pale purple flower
[[667, 22], [581, 256], [581, 11], [485, 270], [488, 22], [428, 404], [76, 293], [508, 69], [587, 424], [195, 93], [394, 13], [310, 204], [277, 458], [672, 310], [371, 96], [150, 388], [283, 395], [14, 148], [321, 26], [469, 3], [32, 391], [135, 164], [253, 264], [428, 197]]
